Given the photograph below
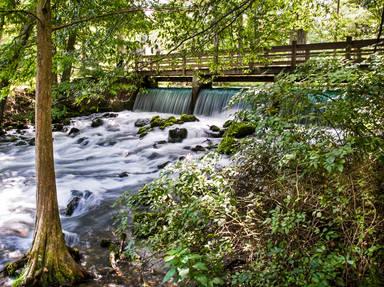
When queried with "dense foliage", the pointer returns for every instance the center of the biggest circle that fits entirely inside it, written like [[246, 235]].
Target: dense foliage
[[301, 203]]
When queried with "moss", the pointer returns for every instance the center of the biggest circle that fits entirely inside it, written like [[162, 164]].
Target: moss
[[188, 118], [229, 145], [214, 128], [143, 131], [227, 124], [240, 130], [10, 269], [168, 122], [156, 121], [19, 281], [155, 118], [236, 130]]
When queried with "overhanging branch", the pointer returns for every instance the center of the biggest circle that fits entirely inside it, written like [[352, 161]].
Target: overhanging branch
[[25, 12], [117, 12], [240, 7]]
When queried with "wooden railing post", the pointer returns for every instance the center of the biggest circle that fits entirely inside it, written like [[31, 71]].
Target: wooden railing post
[[307, 54], [151, 63], [216, 53], [348, 49], [266, 56], [359, 56], [184, 65], [157, 62], [294, 52]]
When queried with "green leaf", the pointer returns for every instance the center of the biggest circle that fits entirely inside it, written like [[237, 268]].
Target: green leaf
[[200, 266], [169, 275]]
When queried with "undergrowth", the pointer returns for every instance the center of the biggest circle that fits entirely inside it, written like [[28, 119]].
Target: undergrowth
[[301, 203]]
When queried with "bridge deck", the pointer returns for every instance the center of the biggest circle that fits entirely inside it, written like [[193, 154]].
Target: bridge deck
[[250, 67]]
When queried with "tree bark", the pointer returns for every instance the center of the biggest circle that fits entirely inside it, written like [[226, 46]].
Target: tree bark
[[3, 103], [380, 29], [14, 63], [49, 261], [66, 75]]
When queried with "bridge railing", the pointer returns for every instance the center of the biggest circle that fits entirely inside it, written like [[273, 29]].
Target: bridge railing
[[278, 57]]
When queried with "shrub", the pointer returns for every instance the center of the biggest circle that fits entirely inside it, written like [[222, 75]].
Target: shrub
[[302, 204]]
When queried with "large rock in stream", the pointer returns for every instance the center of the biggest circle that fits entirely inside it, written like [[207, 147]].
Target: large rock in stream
[[73, 132], [177, 135], [97, 123], [142, 122], [77, 196]]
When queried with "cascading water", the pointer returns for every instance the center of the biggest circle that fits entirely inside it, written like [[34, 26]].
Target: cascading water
[[164, 100], [97, 164], [214, 101]]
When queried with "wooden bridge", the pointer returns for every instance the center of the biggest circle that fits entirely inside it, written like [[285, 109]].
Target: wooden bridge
[[234, 67]]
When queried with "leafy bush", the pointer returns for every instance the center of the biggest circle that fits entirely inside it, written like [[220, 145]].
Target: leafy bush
[[302, 205], [182, 213]]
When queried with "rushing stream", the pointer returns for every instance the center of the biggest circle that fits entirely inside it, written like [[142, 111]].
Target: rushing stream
[[105, 161]]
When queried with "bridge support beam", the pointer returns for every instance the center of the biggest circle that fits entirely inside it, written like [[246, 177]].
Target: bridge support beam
[[197, 85]]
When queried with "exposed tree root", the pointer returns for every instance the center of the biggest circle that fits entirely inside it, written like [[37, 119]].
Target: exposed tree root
[[13, 269], [10, 269]]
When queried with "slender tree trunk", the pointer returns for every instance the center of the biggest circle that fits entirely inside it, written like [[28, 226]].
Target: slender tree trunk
[[14, 63], [380, 29], [3, 103], [66, 75], [49, 261]]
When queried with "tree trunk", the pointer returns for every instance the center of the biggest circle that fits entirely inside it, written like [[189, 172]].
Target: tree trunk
[[66, 75], [380, 30], [18, 49], [3, 103], [49, 261]]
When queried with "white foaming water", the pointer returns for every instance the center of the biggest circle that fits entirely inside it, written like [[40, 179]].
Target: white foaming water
[[93, 161]]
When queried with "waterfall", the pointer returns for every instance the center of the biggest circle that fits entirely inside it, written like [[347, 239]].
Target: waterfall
[[214, 101], [164, 100]]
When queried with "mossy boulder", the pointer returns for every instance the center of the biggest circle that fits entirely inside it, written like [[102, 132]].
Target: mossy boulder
[[177, 135], [168, 122], [97, 123], [143, 131], [156, 121], [228, 146], [188, 118], [227, 124], [240, 130], [236, 130], [214, 128]]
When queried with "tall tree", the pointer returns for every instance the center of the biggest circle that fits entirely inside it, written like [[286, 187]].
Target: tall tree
[[49, 261]]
